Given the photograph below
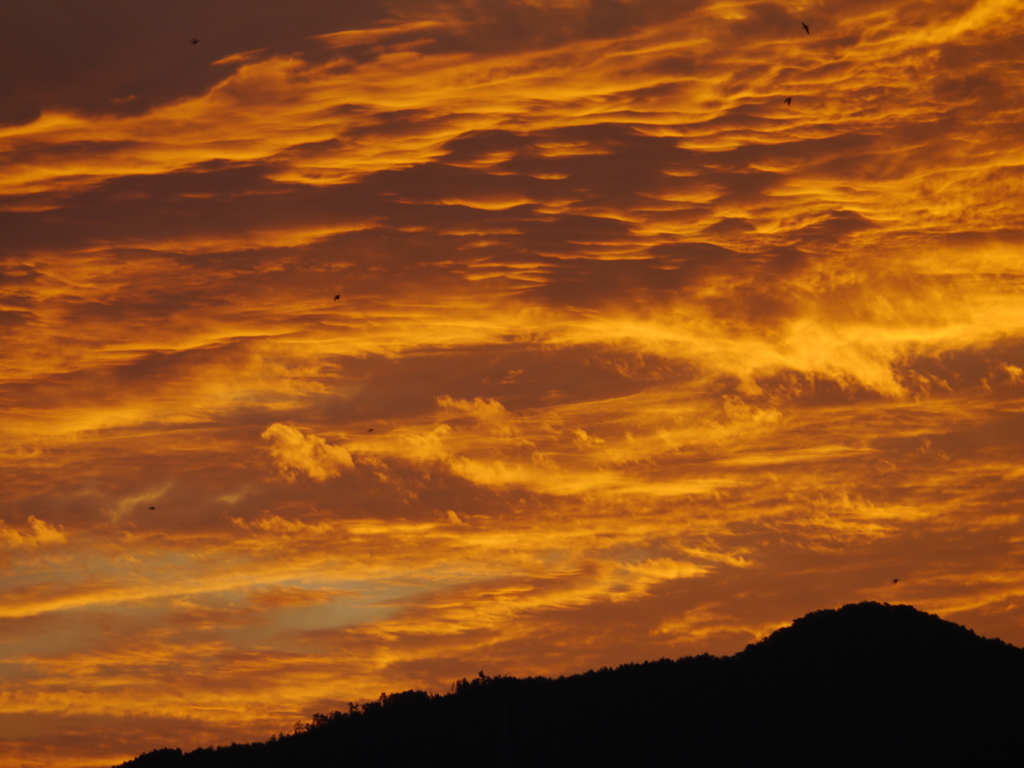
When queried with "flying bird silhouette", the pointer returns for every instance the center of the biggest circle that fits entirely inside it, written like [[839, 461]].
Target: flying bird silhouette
[[788, 100], [337, 297], [152, 507], [194, 40], [895, 580], [370, 429], [806, 28]]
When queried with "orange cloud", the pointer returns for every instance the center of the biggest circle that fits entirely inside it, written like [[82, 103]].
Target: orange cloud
[[295, 452], [40, 533]]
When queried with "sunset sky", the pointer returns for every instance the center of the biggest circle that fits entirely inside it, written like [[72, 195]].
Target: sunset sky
[[630, 358]]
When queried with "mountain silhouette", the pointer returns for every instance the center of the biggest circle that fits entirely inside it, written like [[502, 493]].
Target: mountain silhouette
[[867, 684]]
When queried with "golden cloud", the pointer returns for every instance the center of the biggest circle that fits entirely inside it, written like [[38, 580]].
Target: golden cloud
[[294, 452], [39, 533]]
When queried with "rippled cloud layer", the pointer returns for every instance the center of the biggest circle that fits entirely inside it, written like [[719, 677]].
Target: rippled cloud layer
[[349, 351]]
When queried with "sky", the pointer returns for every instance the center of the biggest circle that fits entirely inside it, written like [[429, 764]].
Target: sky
[[361, 347]]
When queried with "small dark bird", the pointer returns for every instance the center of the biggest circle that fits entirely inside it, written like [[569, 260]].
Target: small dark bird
[[152, 507], [194, 41], [788, 100], [806, 28], [337, 297], [895, 580], [370, 429]]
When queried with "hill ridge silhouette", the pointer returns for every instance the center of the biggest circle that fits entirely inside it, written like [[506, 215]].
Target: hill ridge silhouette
[[868, 683], [875, 622]]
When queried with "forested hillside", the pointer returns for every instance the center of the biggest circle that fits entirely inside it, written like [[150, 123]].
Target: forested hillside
[[868, 684]]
